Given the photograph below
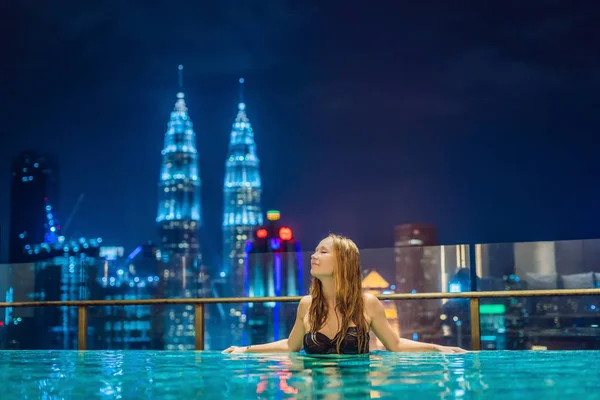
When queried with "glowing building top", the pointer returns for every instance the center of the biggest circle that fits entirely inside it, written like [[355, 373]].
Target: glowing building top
[[179, 211], [242, 168], [242, 192]]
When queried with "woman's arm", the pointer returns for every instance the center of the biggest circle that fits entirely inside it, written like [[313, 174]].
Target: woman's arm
[[292, 344], [390, 339]]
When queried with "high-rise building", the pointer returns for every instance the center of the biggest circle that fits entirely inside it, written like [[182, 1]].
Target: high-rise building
[[134, 327], [417, 271], [273, 267], [55, 269], [242, 191], [415, 262], [34, 180], [179, 218], [179, 210]]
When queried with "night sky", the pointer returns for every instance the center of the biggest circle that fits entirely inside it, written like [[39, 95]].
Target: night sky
[[482, 120]]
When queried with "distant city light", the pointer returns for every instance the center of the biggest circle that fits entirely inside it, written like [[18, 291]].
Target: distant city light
[[285, 233], [454, 288], [275, 243], [273, 215], [262, 233]]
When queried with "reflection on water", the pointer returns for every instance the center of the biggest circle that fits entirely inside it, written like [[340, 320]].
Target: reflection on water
[[181, 375]]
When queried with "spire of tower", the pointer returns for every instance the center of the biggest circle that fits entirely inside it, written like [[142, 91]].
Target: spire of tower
[[241, 105], [180, 77], [242, 181], [180, 104]]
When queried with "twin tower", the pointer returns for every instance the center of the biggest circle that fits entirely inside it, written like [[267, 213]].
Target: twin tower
[[179, 206]]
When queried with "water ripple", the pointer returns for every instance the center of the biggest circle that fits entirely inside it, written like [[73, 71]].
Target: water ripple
[[176, 375]]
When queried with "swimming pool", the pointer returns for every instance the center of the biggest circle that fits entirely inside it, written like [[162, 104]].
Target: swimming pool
[[186, 375]]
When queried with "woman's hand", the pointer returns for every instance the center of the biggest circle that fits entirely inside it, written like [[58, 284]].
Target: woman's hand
[[450, 350], [235, 350]]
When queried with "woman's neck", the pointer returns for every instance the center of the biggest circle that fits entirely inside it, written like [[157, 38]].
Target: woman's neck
[[328, 286]]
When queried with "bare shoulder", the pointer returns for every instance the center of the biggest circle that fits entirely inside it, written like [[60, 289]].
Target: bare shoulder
[[372, 303], [304, 306], [370, 299]]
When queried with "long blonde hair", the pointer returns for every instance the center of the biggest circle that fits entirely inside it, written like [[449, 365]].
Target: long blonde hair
[[348, 294]]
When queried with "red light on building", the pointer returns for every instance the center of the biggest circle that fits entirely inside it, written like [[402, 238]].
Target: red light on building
[[285, 233], [261, 233]]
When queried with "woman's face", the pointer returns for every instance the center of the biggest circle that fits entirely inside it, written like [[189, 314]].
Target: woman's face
[[323, 261]]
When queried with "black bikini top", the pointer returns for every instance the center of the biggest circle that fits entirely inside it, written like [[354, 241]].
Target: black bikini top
[[319, 343]]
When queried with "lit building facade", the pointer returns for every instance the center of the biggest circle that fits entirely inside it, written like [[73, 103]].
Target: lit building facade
[[57, 269], [179, 218], [422, 266], [179, 210], [416, 252], [135, 327], [273, 267], [242, 199], [415, 259], [541, 322], [34, 179]]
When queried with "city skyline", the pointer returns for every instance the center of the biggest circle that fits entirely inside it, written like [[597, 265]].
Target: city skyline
[[486, 140]]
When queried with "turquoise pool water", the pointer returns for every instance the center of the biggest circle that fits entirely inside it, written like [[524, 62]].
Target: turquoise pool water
[[211, 375]]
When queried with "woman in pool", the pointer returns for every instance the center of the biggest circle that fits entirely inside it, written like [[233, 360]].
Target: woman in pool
[[337, 316]]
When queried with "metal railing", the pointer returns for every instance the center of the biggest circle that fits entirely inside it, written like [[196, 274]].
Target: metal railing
[[199, 303]]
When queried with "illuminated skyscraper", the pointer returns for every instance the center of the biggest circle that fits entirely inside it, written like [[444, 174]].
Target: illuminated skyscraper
[[58, 268], [179, 219], [179, 213], [416, 253], [273, 268], [417, 271], [128, 278], [34, 178], [242, 191]]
